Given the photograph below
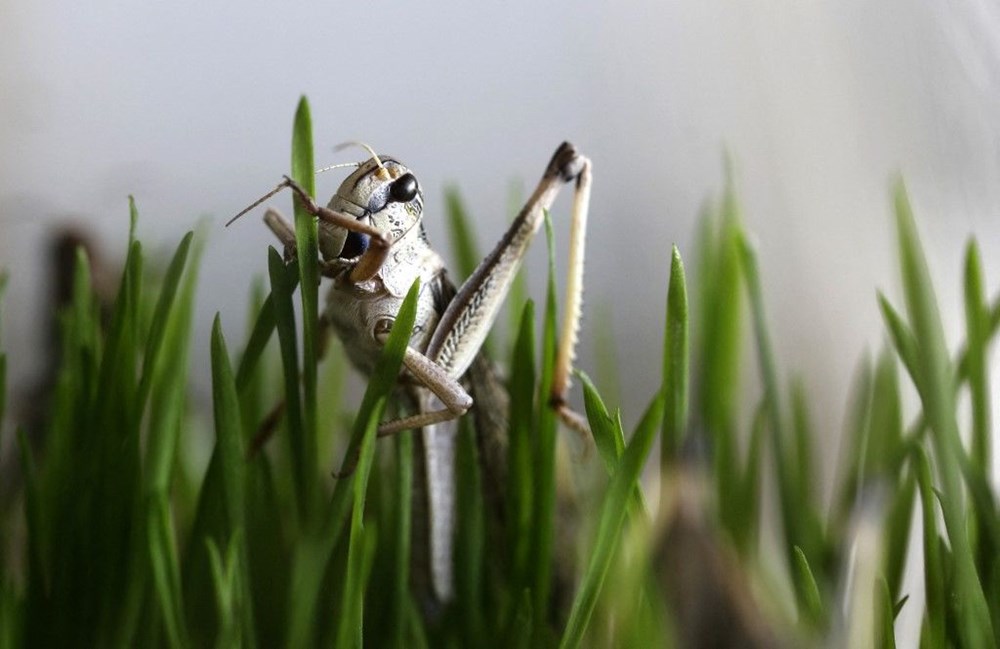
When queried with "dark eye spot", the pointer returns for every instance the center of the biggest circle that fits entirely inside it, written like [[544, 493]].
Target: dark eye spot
[[403, 189]]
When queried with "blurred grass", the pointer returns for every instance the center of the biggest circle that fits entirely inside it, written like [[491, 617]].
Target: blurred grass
[[104, 543]]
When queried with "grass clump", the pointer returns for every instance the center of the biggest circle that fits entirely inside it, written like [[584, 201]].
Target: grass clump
[[106, 541]]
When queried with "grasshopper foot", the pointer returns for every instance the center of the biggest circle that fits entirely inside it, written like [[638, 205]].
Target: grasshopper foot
[[567, 163]]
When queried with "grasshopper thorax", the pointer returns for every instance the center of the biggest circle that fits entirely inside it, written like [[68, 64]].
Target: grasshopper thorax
[[383, 193]]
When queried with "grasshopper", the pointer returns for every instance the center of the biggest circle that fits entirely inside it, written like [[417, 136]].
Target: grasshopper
[[373, 247]]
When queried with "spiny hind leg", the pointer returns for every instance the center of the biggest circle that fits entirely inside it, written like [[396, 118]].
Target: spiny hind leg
[[467, 320], [569, 333]]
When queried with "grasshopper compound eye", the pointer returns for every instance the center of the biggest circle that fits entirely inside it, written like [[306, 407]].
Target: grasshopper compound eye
[[403, 189]]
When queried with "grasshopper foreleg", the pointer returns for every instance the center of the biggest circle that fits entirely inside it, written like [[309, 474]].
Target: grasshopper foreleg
[[433, 377], [374, 257]]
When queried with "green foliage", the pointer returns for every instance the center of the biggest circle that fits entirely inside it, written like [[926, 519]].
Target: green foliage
[[113, 538]]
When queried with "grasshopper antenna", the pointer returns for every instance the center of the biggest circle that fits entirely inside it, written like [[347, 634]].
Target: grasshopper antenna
[[283, 184], [339, 166], [369, 149]]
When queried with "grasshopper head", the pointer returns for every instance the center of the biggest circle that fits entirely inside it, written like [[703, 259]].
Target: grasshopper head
[[381, 191]]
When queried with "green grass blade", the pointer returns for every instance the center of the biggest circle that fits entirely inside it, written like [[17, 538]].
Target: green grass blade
[[675, 362], [545, 454], [401, 547], [232, 463], [605, 351], [461, 234], [933, 573], [169, 374], [166, 575], [977, 332], [799, 517], [225, 582], [251, 383], [609, 439], [471, 535], [813, 609], [260, 335], [720, 346], [282, 286], [3, 389], [518, 294], [520, 494], [608, 435], [886, 615], [3, 357], [113, 537], [937, 393], [383, 380], [902, 338], [462, 237], [804, 434], [985, 523], [349, 627], [307, 247], [519, 635], [37, 575], [316, 550], [747, 520], [885, 441], [897, 531], [613, 509], [857, 439], [721, 320], [164, 305], [167, 409]]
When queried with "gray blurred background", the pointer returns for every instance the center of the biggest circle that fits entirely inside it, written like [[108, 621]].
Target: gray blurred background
[[188, 106]]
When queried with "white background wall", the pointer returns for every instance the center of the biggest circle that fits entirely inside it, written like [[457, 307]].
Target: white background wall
[[188, 105]]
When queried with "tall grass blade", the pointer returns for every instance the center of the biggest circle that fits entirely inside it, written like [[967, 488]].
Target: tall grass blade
[[977, 337], [799, 518], [813, 609], [383, 381], [934, 589], [886, 632], [461, 234], [157, 332], [902, 337], [613, 509], [720, 345], [315, 552], [471, 532], [401, 546], [305, 443], [609, 439], [225, 581], [936, 381], [675, 362], [167, 408], [520, 492], [232, 463], [545, 454], [260, 335], [282, 286]]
